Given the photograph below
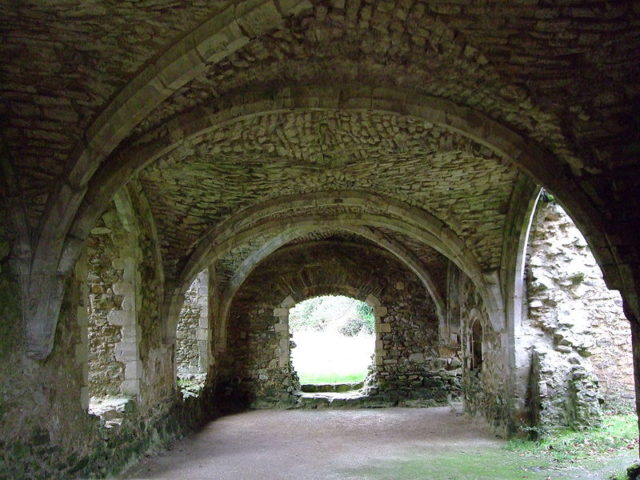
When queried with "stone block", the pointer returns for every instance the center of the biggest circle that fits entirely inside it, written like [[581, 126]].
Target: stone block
[[118, 317], [416, 357], [219, 37], [130, 387], [133, 370], [281, 327], [84, 398], [385, 328], [202, 334], [380, 311], [82, 352], [288, 302]]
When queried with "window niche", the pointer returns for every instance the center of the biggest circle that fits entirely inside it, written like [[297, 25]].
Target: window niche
[[109, 321], [192, 337]]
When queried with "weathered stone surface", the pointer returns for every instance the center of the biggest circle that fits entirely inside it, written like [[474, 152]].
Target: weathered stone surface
[[570, 303], [200, 183], [193, 327]]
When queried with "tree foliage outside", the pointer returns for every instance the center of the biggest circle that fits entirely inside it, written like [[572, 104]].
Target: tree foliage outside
[[332, 313]]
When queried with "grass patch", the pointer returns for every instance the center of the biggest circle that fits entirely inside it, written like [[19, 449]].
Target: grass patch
[[467, 463], [616, 433], [331, 377]]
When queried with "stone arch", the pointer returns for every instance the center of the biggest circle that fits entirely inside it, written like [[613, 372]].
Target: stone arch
[[400, 252], [14, 207], [515, 237], [224, 237], [57, 254], [213, 40], [203, 253]]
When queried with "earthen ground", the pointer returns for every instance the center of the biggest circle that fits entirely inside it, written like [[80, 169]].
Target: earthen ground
[[339, 444]]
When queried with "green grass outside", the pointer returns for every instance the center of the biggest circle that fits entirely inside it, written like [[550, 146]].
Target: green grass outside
[[617, 432], [322, 377]]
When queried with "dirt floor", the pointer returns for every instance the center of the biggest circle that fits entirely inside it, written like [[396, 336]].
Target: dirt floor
[[376, 444]]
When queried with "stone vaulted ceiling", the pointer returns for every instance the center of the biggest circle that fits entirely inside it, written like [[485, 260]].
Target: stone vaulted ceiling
[[263, 157], [427, 111]]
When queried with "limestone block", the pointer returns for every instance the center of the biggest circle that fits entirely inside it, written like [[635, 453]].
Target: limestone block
[[288, 302], [82, 351], [83, 318], [281, 327], [202, 334], [125, 350], [219, 37], [119, 317], [84, 398], [130, 387], [416, 357], [257, 17], [133, 370]]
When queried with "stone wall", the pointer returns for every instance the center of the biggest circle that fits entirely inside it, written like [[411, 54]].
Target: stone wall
[[408, 367], [106, 373], [579, 326], [486, 388], [413, 370]]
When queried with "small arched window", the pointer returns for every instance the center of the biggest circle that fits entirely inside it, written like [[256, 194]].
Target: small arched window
[[476, 346]]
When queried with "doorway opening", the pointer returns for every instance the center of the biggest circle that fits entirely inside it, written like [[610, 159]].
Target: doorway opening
[[334, 340]]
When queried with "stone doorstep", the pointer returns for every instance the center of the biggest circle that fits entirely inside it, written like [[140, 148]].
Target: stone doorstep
[[329, 399], [331, 387]]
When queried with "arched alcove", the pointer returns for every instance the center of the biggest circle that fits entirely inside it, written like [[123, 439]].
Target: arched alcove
[[475, 344]]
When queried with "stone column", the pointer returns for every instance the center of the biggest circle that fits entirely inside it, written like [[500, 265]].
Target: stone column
[[635, 342]]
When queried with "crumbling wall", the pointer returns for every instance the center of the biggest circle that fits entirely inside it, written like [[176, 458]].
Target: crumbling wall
[[408, 367], [45, 429], [583, 340]]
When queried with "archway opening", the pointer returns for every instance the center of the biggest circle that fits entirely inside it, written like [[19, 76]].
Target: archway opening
[[334, 340]]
